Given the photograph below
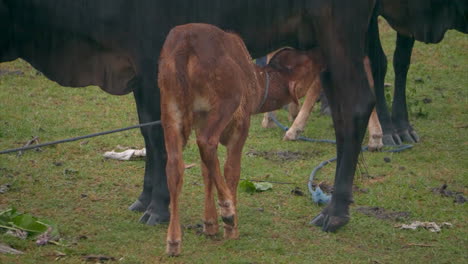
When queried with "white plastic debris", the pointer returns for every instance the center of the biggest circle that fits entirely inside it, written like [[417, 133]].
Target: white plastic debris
[[431, 226], [125, 155]]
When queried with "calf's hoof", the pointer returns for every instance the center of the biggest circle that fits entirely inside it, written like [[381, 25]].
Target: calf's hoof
[[268, 123], [291, 135], [210, 228], [375, 144], [231, 232], [229, 220], [330, 223], [227, 210], [173, 248]]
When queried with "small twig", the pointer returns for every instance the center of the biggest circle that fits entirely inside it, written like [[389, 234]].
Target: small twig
[[10, 228], [33, 140], [461, 126], [189, 166], [417, 245], [55, 243], [9, 250]]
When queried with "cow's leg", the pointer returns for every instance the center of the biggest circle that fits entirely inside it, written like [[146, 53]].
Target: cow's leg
[[350, 116], [324, 107], [299, 123], [379, 70], [401, 64], [234, 142], [267, 122], [351, 99], [155, 195]]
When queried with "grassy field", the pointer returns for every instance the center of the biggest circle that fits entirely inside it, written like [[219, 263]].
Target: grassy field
[[87, 196]]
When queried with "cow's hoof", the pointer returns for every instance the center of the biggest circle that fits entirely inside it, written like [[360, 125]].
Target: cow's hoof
[[151, 218], [408, 135], [330, 223], [325, 111], [173, 248], [391, 139], [138, 206]]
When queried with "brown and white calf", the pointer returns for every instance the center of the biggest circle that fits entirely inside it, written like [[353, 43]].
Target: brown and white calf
[[208, 83], [311, 91]]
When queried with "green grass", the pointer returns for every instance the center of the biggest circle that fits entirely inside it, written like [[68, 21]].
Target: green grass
[[273, 225]]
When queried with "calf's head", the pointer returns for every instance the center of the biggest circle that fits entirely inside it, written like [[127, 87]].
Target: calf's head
[[298, 68]]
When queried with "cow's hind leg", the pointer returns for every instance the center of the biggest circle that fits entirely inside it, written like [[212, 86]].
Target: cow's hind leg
[[154, 199], [401, 64], [379, 70], [350, 117], [351, 99]]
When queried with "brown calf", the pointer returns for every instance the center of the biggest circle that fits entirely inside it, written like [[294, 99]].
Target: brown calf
[[208, 82], [311, 91]]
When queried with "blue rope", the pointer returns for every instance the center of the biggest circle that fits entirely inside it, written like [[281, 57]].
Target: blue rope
[[318, 196]]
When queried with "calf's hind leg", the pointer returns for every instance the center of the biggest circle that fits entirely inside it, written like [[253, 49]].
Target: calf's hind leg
[[174, 141], [210, 223], [234, 140], [208, 137]]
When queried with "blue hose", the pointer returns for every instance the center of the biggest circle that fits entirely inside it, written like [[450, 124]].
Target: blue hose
[[318, 196]]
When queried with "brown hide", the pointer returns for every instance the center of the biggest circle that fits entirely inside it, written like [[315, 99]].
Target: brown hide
[[208, 82]]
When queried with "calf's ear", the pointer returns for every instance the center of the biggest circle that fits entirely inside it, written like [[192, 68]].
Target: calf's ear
[[292, 91]]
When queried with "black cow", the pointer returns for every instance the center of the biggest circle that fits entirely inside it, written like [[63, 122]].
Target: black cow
[[422, 20], [115, 44]]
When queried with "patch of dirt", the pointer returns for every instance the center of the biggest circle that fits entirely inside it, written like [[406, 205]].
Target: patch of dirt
[[7, 173], [443, 190], [297, 191], [198, 228], [374, 178], [383, 214], [282, 155]]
